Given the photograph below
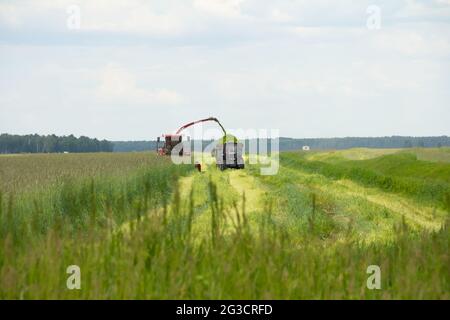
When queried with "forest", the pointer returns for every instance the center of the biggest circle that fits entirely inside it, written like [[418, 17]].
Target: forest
[[34, 143]]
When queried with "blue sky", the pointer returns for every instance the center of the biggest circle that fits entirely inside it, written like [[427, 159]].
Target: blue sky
[[135, 69]]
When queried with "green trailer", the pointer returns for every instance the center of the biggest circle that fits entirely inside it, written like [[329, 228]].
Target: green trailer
[[228, 153]]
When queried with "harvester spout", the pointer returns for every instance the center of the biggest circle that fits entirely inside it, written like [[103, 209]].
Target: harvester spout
[[202, 120]]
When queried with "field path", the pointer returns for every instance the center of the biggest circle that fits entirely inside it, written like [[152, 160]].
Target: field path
[[423, 216], [185, 185], [419, 215], [242, 182]]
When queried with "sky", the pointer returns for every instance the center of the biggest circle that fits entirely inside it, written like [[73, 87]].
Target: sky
[[135, 69]]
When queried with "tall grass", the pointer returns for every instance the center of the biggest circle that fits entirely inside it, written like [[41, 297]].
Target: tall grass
[[139, 235], [28, 172], [75, 204], [157, 257]]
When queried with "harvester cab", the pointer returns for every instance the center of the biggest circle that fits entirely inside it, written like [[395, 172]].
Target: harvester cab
[[228, 151], [169, 143]]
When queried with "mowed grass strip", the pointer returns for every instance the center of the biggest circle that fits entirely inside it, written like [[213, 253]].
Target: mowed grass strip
[[399, 173]]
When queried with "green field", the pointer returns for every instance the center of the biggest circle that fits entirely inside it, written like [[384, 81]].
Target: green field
[[140, 227]]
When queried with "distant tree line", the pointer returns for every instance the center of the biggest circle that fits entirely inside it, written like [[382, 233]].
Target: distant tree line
[[365, 142], [131, 146], [35, 143], [317, 143], [52, 143]]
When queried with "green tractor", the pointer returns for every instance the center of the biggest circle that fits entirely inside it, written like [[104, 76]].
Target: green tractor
[[228, 153]]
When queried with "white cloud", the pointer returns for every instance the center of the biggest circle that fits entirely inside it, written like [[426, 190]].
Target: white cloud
[[10, 15], [423, 9], [249, 62], [133, 16], [140, 17], [118, 86], [413, 42], [277, 15], [328, 34], [221, 8]]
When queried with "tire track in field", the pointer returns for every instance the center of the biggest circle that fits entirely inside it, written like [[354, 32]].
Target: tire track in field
[[420, 215], [424, 216], [246, 184], [185, 185]]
